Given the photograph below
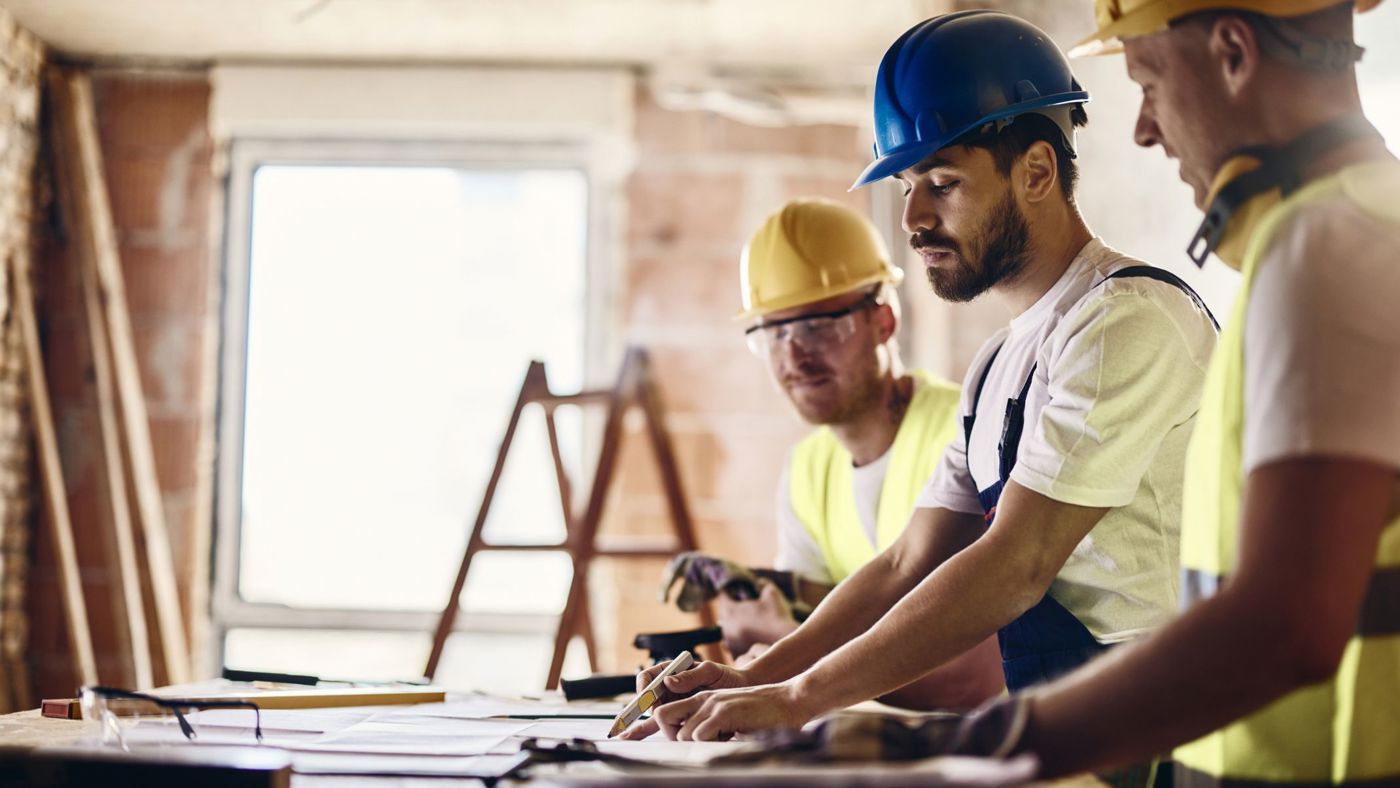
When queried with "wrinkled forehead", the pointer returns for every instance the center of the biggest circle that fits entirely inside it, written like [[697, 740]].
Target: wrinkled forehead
[[1145, 56]]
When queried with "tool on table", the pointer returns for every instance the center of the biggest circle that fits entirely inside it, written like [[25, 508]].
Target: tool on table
[[270, 677], [661, 646], [654, 694], [308, 698], [669, 645]]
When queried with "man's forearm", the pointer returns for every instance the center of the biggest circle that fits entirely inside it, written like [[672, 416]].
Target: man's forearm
[[963, 602], [851, 608], [967, 599], [1213, 665], [1308, 539], [811, 592]]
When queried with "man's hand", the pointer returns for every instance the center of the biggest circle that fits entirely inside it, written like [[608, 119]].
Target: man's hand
[[755, 651], [719, 715], [704, 676], [764, 620]]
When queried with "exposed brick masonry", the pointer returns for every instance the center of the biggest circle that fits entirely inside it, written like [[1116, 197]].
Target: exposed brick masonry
[[702, 185], [157, 154], [21, 57]]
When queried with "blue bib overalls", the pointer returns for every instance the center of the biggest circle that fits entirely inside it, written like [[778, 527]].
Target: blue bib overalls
[[1047, 640]]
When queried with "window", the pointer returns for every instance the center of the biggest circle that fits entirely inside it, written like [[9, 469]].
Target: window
[[382, 304]]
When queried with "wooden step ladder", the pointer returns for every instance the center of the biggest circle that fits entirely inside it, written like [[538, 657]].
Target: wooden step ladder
[[633, 388]]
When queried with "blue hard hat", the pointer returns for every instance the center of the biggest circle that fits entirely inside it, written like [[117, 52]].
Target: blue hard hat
[[956, 73]]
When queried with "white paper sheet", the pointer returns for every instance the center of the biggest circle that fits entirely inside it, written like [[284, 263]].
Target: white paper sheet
[[382, 734], [310, 720], [593, 730], [479, 705]]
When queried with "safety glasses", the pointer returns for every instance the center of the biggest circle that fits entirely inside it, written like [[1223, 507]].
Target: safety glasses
[[113, 711], [812, 333]]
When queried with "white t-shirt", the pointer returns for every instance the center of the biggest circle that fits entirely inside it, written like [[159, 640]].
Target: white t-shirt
[[1119, 368], [1322, 339], [797, 550]]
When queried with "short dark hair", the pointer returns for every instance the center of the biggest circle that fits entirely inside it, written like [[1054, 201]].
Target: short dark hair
[[1007, 144]]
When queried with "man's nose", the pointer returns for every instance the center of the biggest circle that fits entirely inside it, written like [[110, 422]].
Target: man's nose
[[919, 211], [1146, 132]]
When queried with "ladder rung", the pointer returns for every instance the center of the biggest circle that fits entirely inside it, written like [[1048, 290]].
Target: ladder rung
[[636, 546], [607, 546], [533, 547], [581, 398]]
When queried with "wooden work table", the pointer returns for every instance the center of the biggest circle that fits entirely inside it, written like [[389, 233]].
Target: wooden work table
[[30, 729]]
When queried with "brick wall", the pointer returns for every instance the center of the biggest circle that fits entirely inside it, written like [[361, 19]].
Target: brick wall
[[21, 57], [157, 155], [702, 185]]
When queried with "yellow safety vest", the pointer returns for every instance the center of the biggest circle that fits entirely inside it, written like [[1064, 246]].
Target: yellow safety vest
[[1340, 730], [822, 491]]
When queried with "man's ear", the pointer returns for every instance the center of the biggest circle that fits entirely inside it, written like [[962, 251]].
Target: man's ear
[[886, 324], [1037, 171], [1234, 47]]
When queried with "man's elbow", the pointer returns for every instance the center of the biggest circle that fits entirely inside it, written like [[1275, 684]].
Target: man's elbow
[[1315, 656], [1030, 576], [1297, 642]]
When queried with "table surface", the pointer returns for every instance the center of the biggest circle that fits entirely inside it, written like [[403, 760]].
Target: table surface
[[31, 729]]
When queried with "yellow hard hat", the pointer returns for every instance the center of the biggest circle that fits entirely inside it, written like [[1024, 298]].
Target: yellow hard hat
[[811, 250], [1120, 19]]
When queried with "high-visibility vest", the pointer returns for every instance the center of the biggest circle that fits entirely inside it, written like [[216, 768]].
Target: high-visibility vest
[[1346, 728], [821, 487]]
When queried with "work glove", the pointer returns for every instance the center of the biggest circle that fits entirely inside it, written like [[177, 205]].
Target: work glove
[[990, 732], [994, 730], [704, 577], [854, 736]]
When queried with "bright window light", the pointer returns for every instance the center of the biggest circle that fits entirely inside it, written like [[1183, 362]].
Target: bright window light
[[391, 313]]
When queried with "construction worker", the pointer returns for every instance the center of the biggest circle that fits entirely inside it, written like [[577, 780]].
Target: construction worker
[[1052, 519], [819, 292], [1284, 667]]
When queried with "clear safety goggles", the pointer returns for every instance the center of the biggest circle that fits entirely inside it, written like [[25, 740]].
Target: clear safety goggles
[[112, 714], [812, 333]]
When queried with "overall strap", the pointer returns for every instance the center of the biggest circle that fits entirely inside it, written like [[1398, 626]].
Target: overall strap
[[971, 417], [1166, 277], [1013, 423], [1010, 428]]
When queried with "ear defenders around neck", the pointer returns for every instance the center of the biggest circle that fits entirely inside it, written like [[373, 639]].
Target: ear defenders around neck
[[1255, 179]]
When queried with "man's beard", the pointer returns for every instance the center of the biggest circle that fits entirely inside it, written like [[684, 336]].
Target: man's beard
[[1004, 240], [855, 396]]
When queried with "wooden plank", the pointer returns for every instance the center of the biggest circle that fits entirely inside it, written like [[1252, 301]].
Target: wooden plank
[[7, 701], [308, 698], [76, 124], [75, 617], [119, 539]]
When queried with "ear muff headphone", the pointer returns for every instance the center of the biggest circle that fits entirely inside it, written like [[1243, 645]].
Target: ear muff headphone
[[1256, 178]]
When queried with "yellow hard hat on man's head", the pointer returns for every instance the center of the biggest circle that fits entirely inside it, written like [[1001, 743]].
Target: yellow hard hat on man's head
[[807, 252], [1120, 19]]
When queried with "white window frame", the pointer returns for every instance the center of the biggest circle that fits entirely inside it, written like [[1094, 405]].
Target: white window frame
[[230, 610], [460, 117]]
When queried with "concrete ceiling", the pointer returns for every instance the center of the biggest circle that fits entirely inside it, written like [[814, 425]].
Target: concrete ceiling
[[831, 35]]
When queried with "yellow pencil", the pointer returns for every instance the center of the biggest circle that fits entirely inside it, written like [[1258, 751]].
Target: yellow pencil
[[655, 694]]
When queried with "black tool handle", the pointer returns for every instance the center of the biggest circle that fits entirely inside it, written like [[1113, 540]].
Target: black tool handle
[[600, 686], [263, 675]]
